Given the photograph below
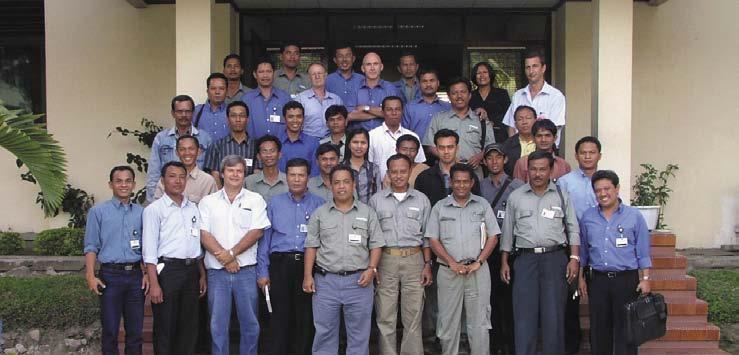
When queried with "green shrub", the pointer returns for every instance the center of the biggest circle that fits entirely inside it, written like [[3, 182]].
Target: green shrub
[[10, 243], [719, 287], [60, 241], [47, 301]]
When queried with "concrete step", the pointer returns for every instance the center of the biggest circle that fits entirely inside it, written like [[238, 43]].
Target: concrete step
[[675, 307], [672, 321], [677, 344], [677, 261], [663, 239], [677, 331]]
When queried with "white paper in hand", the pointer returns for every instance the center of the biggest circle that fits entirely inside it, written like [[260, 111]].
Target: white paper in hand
[[266, 297], [483, 235]]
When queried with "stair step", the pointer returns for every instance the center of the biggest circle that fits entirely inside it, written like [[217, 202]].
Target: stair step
[[663, 239], [672, 321], [675, 307], [676, 261], [662, 251], [676, 283], [679, 345], [680, 332], [662, 351]]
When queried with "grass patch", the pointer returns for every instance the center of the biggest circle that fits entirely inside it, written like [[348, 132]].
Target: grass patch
[[720, 288], [47, 302]]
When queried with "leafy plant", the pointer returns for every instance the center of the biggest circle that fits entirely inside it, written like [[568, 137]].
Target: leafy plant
[[60, 241], [76, 202], [650, 188], [145, 137], [10, 243]]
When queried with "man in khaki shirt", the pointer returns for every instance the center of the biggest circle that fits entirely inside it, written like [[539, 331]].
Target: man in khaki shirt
[[199, 184]]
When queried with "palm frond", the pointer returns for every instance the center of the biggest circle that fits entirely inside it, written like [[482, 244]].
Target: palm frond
[[38, 150]]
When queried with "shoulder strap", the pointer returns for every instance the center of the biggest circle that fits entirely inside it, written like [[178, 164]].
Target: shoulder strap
[[564, 211], [484, 131], [197, 118], [501, 191]]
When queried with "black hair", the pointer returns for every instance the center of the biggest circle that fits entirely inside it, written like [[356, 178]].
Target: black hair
[[232, 56], [462, 167], [459, 80], [541, 154], [269, 138], [605, 174], [407, 138], [187, 136], [292, 105], [181, 98], [491, 72], [215, 76], [334, 110], [587, 139], [445, 133], [121, 168], [237, 103], [288, 44], [398, 157], [422, 72], [391, 98], [406, 53], [325, 148], [176, 164], [342, 46], [545, 124], [535, 53], [340, 167], [297, 162], [263, 60], [524, 107], [349, 136]]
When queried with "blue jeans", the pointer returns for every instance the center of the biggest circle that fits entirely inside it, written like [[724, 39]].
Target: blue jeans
[[242, 288], [122, 296]]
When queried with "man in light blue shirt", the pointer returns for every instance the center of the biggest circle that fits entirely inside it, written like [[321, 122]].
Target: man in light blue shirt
[[364, 106], [211, 116], [577, 182], [408, 86], [265, 102], [316, 101], [343, 81], [419, 112], [164, 147]]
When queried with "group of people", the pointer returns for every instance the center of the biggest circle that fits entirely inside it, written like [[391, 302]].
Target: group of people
[[336, 197]]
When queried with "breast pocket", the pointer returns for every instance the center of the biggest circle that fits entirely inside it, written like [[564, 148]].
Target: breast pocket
[[243, 218], [412, 222], [473, 135], [386, 221], [165, 152], [525, 222], [447, 227], [476, 220]]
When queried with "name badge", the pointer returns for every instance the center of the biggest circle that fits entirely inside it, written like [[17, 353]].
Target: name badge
[[248, 162], [274, 118], [303, 228], [195, 232], [355, 239], [547, 213], [472, 128], [501, 214], [135, 244], [622, 242]]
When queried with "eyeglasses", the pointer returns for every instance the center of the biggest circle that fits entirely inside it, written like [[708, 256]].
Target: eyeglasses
[[183, 112]]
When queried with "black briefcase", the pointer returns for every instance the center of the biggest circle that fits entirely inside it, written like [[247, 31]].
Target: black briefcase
[[646, 318]]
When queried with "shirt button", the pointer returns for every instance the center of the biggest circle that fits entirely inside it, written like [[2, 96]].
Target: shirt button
[[606, 263]]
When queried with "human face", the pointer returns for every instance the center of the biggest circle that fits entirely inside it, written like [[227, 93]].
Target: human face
[[342, 186], [264, 74], [495, 162], [372, 66], [408, 149], [447, 148], [122, 184], [344, 58], [268, 154], [233, 70], [588, 156], [524, 120], [290, 57], [188, 152], [459, 96], [237, 119], [534, 70], [462, 184], [408, 67], [294, 120], [606, 193], [233, 176], [297, 179], [399, 172], [327, 161], [482, 76], [539, 173], [174, 181], [544, 140], [182, 113], [393, 112], [358, 145], [429, 84], [217, 91], [336, 124], [317, 76]]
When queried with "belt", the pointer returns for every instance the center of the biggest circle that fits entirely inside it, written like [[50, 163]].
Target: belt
[[614, 274], [185, 262], [297, 256], [540, 250], [323, 271], [117, 266], [406, 251]]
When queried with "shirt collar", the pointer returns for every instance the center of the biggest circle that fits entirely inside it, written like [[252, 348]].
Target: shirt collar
[[550, 187], [169, 202], [118, 204], [173, 131], [502, 179], [232, 139], [546, 89], [195, 173], [387, 129], [222, 194], [332, 204], [619, 210], [220, 108], [450, 201], [281, 72], [286, 137], [421, 100], [389, 192]]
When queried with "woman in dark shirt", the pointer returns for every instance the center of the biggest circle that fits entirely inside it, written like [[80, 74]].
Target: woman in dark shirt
[[494, 101]]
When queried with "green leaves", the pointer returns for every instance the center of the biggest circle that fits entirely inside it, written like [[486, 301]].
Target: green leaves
[[650, 188], [34, 147]]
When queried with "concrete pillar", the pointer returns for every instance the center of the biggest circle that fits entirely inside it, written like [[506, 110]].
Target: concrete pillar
[[194, 38], [612, 76]]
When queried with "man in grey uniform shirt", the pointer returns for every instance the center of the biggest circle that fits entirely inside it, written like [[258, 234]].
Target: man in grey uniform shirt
[[537, 216], [406, 259], [463, 232], [270, 181], [342, 249]]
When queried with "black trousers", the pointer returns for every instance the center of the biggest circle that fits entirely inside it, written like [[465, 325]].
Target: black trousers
[[573, 333], [292, 309], [176, 319], [501, 299], [607, 297]]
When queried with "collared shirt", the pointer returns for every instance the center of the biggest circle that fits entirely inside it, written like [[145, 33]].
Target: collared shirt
[[525, 219], [214, 122], [495, 104], [489, 190], [431, 182], [343, 239], [265, 114], [289, 227], [459, 227], [340, 145], [549, 103], [367, 180], [314, 123], [199, 184], [170, 230], [345, 88], [257, 183], [599, 240], [521, 170], [237, 95], [418, 114], [526, 147], [366, 96], [382, 146], [304, 147], [111, 226], [468, 128], [229, 146], [318, 188], [580, 189], [163, 150], [298, 83], [408, 93], [402, 222], [229, 222]]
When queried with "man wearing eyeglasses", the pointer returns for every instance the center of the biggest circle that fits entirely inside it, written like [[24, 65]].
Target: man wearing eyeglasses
[[316, 101]]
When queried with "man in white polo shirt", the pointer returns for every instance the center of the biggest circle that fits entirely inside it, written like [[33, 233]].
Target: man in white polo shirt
[[383, 138], [232, 221]]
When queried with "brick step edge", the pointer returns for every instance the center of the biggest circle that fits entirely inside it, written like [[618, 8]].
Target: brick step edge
[[678, 308]]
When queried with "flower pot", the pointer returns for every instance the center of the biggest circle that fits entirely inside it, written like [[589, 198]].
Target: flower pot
[[650, 214]]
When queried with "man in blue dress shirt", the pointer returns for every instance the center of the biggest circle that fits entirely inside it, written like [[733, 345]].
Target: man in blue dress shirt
[[211, 116], [615, 246], [280, 261], [364, 106], [316, 101], [407, 86], [295, 143], [113, 237], [265, 102], [344, 80]]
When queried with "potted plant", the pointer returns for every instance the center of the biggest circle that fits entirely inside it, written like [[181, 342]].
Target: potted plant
[[651, 193]]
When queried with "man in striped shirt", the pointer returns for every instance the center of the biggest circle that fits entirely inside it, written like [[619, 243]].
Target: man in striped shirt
[[237, 142]]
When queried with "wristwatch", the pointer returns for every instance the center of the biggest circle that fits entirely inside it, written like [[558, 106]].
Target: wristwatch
[[480, 261], [645, 278], [575, 257], [374, 269], [429, 262], [231, 251], [366, 108]]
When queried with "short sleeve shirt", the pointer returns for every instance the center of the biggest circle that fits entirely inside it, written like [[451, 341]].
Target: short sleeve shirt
[[402, 222], [459, 228], [469, 129]]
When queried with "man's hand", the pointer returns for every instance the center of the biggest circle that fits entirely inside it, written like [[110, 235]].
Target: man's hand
[[145, 284], [473, 267], [582, 286], [427, 277], [366, 277], [155, 292], [573, 268], [93, 283], [308, 285], [263, 281], [644, 287], [232, 267], [203, 286], [458, 268], [223, 257], [505, 273], [482, 113], [474, 161]]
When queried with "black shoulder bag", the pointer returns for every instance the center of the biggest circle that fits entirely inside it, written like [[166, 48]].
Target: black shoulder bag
[[196, 123]]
